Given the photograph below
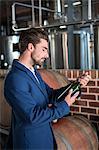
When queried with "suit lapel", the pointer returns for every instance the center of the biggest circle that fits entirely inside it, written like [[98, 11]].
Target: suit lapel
[[40, 85], [40, 79]]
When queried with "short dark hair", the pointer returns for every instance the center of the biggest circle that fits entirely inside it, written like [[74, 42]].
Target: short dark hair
[[33, 36]]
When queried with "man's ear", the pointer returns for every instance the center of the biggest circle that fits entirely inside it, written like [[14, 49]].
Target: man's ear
[[30, 47]]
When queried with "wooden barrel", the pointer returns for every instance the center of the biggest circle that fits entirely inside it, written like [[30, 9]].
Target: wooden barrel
[[53, 78], [75, 133], [5, 110]]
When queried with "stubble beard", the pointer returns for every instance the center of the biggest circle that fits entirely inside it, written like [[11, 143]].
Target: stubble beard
[[39, 63]]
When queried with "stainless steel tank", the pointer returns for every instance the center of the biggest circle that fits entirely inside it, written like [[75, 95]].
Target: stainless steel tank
[[9, 47]]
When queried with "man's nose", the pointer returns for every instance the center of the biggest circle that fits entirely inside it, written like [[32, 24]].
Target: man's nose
[[47, 55]]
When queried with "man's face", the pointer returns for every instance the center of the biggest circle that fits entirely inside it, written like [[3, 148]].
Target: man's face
[[40, 53]]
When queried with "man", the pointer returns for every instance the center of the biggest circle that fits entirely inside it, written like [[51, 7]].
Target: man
[[29, 96]]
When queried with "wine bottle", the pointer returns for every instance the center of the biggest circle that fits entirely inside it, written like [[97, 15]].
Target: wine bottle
[[75, 86]]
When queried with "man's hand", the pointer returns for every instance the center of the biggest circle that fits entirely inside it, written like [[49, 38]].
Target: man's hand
[[84, 79], [71, 99]]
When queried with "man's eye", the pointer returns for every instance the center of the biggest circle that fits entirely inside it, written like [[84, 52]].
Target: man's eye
[[43, 49]]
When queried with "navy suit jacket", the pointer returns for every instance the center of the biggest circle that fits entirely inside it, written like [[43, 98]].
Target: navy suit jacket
[[31, 116]]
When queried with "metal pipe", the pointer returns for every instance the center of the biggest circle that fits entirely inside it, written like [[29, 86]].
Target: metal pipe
[[30, 6], [89, 10], [59, 7], [52, 50], [92, 59], [40, 14], [65, 50], [19, 29], [82, 23], [63, 10], [14, 25], [13, 14], [33, 16]]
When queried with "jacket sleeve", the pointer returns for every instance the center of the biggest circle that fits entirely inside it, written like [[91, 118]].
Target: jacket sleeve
[[23, 103]]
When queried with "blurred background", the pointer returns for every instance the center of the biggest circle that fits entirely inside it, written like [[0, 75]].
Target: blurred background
[[73, 27]]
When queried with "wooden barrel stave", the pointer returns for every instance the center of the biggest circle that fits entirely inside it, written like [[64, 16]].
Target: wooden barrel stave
[[77, 133], [87, 130]]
